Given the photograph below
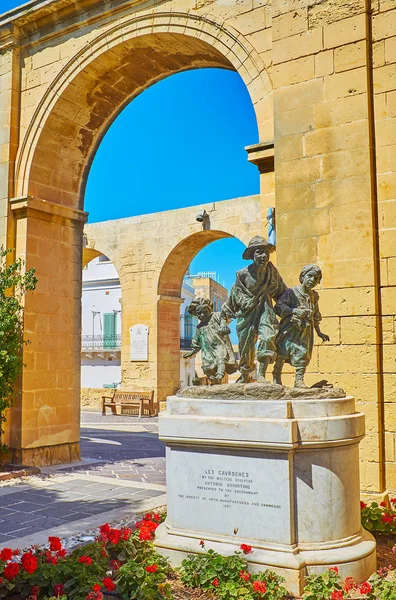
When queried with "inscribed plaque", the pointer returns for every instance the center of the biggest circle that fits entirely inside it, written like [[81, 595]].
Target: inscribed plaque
[[220, 493], [139, 342]]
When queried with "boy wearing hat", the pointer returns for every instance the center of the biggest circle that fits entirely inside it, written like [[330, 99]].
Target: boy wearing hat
[[251, 303]]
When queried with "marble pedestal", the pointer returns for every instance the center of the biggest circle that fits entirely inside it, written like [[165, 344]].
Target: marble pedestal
[[280, 475]]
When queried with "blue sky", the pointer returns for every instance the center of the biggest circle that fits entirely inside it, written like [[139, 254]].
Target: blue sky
[[180, 143]]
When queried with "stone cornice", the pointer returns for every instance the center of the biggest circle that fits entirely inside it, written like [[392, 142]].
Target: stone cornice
[[43, 209], [9, 37], [262, 155], [45, 19]]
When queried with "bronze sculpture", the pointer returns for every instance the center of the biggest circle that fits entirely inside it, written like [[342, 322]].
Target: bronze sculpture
[[212, 338], [298, 308], [250, 302]]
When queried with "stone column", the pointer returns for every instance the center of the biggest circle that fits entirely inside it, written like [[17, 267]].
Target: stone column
[[44, 425], [9, 120], [168, 345]]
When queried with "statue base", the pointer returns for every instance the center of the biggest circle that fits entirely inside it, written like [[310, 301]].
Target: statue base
[[281, 475]]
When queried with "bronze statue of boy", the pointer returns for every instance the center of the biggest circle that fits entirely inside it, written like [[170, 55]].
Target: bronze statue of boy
[[212, 338], [250, 302], [298, 308]]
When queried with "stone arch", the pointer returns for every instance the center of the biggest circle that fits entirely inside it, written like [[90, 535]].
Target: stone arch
[[100, 80], [169, 299]]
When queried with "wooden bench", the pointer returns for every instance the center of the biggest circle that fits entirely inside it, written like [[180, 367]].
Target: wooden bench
[[143, 400]]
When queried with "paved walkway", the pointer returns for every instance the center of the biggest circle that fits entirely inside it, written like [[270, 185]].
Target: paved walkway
[[122, 473]]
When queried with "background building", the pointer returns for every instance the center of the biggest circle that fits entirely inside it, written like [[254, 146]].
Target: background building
[[101, 323]]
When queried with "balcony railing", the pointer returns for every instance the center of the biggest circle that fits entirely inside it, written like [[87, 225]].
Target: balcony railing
[[185, 343], [100, 343]]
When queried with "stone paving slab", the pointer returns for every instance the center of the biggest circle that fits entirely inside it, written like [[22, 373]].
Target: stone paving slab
[[121, 475]]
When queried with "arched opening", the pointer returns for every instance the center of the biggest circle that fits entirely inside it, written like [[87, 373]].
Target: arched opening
[[52, 168], [168, 311], [57, 151], [100, 330]]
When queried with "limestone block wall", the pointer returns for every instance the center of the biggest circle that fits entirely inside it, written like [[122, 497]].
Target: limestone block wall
[[151, 254], [334, 194]]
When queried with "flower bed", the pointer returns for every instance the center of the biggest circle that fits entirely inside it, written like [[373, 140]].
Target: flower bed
[[123, 563]]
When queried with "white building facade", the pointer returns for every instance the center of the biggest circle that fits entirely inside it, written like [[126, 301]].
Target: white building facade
[[101, 327]]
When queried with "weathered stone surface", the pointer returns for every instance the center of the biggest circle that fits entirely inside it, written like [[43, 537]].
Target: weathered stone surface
[[258, 391]]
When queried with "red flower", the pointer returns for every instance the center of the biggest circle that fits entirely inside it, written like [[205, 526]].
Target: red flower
[[362, 504], [1, 581], [115, 564], [156, 517], [383, 504], [114, 536], [104, 532], [151, 568], [94, 596], [35, 590], [85, 560], [337, 595], [145, 536], [50, 558], [16, 552], [244, 575], [393, 500], [202, 544], [365, 588], [335, 569], [6, 554], [11, 570], [55, 543], [29, 562], [215, 582], [259, 587], [58, 590], [103, 553], [109, 584], [96, 587], [126, 533], [349, 584], [386, 518], [61, 553], [246, 549]]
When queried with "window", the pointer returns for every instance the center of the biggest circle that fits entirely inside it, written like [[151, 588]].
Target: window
[[190, 324], [109, 329]]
